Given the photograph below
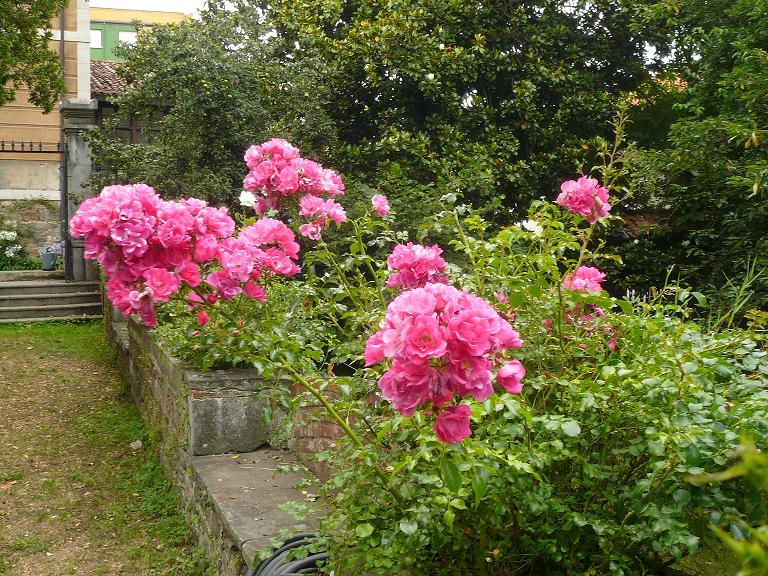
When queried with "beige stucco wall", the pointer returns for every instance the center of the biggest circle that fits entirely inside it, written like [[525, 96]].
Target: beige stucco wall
[[143, 16], [29, 183]]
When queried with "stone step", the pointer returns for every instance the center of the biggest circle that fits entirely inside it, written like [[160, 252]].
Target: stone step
[[46, 287], [16, 300], [22, 275], [50, 311], [50, 319]]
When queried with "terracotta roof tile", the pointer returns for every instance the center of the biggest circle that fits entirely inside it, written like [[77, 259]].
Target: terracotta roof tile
[[104, 79]]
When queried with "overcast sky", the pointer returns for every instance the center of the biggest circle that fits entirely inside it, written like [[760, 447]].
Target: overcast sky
[[187, 6]]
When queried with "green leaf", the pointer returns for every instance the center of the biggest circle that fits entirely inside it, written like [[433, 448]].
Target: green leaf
[[449, 516], [480, 486], [570, 428], [363, 530], [408, 526], [459, 504], [407, 490], [450, 474], [690, 367], [266, 413]]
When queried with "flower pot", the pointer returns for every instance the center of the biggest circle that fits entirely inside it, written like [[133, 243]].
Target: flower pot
[[49, 260]]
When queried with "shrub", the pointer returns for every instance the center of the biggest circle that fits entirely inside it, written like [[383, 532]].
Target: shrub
[[465, 452]]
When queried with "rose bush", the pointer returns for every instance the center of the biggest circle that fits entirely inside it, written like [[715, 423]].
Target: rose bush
[[578, 464]]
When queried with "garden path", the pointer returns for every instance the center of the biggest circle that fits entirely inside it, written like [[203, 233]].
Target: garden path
[[81, 491]]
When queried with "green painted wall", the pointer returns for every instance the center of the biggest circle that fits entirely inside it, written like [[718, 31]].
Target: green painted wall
[[109, 39]]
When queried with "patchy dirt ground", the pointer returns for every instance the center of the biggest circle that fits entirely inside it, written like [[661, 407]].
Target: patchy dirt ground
[[81, 490]]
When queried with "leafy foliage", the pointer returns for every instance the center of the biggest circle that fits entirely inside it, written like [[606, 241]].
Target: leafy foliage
[[752, 552], [25, 59], [209, 88], [490, 101], [584, 473], [711, 181], [12, 253]]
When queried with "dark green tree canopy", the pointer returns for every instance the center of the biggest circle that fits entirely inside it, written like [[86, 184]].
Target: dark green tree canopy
[[211, 88], [492, 99], [25, 59], [710, 179]]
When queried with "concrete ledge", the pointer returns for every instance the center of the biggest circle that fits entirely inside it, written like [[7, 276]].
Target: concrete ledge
[[21, 194], [212, 412], [244, 491]]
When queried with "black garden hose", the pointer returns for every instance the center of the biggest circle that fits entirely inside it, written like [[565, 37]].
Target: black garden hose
[[277, 565]]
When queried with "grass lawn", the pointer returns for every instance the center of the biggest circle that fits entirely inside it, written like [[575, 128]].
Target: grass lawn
[[75, 496]]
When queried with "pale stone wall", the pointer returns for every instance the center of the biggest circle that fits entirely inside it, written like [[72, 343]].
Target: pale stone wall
[[37, 219]]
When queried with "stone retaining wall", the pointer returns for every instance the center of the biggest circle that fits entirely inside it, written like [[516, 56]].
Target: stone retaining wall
[[194, 414]]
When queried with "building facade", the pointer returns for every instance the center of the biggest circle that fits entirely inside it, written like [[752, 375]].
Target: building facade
[[31, 142], [34, 145], [111, 26]]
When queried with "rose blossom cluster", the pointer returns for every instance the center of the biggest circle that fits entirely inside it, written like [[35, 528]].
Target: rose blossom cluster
[[380, 204], [415, 266], [150, 249], [444, 343], [277, 172], [585, 197], [585, 278]]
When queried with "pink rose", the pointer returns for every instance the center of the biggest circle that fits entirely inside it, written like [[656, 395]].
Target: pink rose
[[585, 278], [312, 230], [255, 292], [416, 266], [335, 211], [380, 204], [202, 318], [585, 197], [425, 339], [161, 282], [311, 206], [189, 272], [407, 385], [471, 376], [452, 425], [510, 376], [287, 180], [374, 350]]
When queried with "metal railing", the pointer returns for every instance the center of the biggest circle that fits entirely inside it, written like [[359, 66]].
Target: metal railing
[[12, 146]]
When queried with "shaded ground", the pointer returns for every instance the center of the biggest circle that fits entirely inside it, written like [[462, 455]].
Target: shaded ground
[[76, 497]]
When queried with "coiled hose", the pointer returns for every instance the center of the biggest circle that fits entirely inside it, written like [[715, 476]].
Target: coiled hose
[[277, 565]]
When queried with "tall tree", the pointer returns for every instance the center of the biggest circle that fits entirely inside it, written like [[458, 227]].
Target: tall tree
[[492, 100], [25, 59], [711, 178], [210, 88]]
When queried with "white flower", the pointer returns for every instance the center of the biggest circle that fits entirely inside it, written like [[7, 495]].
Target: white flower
[[247, 199], [11, 251], [430, 76], [532, 226], [7, 235], [441, 46]]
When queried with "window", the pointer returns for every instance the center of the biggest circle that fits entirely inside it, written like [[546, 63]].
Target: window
[[96, 39], [127, 37]]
